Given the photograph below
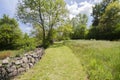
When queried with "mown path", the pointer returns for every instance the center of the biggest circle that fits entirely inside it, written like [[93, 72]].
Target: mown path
[[59, 63]]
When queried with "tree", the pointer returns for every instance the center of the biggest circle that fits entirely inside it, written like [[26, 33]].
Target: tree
[[46, 13], [110, 20], [99, 10], [101, 18], [93, 33], [65, 31], [28, 43], [37, 33], [96, 14], [9, 33], [79, 26]]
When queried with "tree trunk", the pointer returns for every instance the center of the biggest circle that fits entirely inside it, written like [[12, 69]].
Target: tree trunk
[[50, 35], [44, 40]]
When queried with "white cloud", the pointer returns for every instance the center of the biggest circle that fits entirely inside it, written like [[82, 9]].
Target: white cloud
[[73, 9], [97, 1], [9, 7], [28, 29], [86, 8], [82, 7]]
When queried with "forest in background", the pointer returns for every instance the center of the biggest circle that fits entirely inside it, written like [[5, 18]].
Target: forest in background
[[51, 23]]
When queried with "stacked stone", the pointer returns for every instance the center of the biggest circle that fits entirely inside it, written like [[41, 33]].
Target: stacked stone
[[11, 67]]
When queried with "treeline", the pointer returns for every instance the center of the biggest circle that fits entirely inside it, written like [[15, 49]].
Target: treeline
[[105, 26], [52, 19], [11, 37], [106, 21], [51, 23]]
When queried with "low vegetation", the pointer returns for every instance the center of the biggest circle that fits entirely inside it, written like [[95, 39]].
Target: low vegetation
[[11, 53], [100, 59], [59, 63], [78, 60]]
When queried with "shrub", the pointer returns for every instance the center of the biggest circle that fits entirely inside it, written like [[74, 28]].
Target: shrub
[[27, 43], [10, 33]]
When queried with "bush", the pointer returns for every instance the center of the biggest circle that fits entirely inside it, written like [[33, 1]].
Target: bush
[[27, 43], [9, 33]]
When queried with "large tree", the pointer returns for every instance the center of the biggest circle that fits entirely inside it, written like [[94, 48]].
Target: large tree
[[79, 24], [109, 22], [102, 18], [46, 13], [65, 31], [99, 10], [10, 33]]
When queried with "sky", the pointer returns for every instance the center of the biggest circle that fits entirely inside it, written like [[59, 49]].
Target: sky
[[74, 6]]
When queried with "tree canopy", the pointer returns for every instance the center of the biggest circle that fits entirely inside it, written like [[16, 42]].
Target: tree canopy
[[106, 20], [79, 24], [9, 33], [46, 13]]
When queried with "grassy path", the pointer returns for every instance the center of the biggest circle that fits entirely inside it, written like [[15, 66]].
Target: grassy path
[[59, 63]]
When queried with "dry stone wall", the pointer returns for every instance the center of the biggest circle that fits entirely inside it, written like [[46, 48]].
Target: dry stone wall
[[12, 67]]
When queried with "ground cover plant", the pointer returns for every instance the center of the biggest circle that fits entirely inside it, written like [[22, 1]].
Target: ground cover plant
[[78, 60], [100, 59], [58, 63]]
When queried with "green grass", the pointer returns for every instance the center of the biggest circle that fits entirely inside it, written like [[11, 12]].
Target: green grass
[[100, 59], [59, 63], [78, 60]]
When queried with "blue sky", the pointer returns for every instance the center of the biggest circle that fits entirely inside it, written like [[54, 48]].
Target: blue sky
[[74, 6]]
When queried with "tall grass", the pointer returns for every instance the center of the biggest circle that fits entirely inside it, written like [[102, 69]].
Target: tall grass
[[11, 53], [59, 63], [100, 59], [15, 53]]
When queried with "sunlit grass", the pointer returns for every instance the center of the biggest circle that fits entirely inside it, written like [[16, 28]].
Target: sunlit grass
[[101, 59], [59, 63], [96, 60]]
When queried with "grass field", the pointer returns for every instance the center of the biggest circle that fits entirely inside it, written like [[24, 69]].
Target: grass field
[[100, 59], [59, 63], [78, 60]]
